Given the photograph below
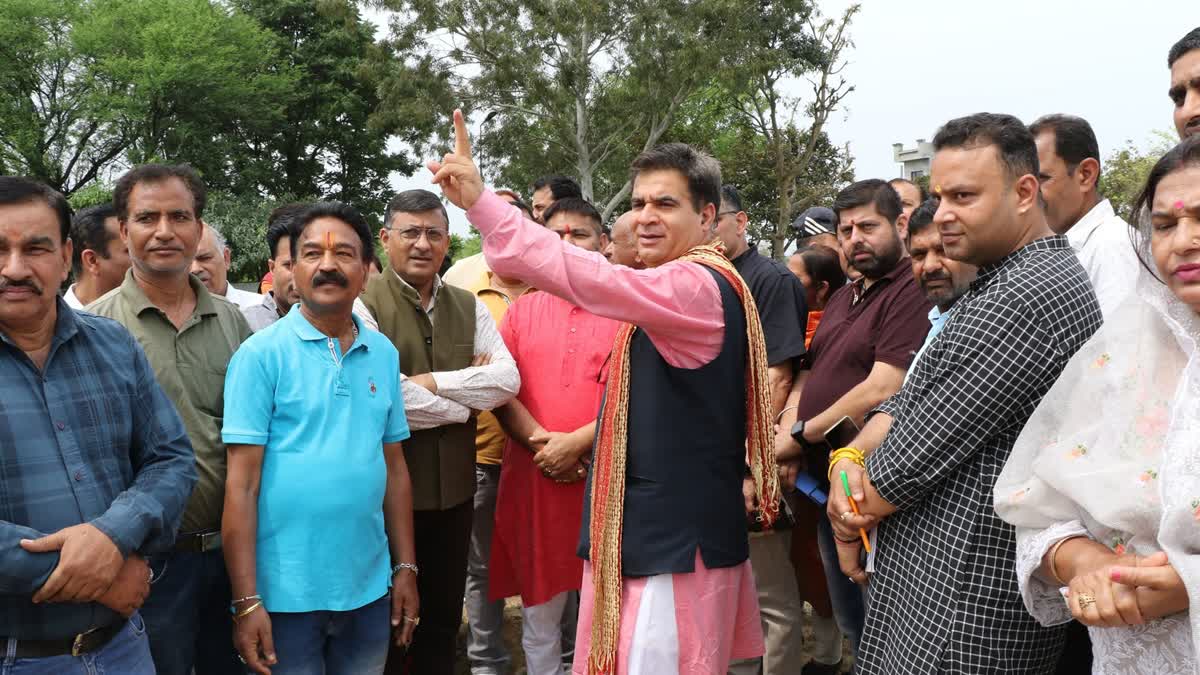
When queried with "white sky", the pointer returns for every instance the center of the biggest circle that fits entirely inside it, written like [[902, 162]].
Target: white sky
[[918, 63]]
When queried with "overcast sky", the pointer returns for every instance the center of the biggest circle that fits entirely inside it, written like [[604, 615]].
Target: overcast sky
[[917, 63]]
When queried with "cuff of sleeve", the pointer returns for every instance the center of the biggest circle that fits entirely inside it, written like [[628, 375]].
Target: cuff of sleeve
[[899, 491], [122, 527], [236, 437], [1042, 597], [396, 438], [486, 211], [889, 407]]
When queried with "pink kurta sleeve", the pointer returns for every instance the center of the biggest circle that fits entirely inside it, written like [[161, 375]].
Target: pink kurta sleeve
[[678, 304]]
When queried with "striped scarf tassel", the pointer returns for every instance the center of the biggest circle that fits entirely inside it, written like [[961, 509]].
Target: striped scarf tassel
[[608, 477]]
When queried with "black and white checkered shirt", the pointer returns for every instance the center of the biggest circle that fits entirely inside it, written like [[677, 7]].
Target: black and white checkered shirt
[[944, 597]]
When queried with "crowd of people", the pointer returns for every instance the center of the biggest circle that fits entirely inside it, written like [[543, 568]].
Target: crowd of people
[[960, 423]]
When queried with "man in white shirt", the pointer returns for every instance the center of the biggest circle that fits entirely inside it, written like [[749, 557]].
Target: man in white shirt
[[1069, 161], [100, 259], [211, 267]]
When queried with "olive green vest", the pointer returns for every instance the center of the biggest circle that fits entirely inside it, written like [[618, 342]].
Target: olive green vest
[[441, 461]]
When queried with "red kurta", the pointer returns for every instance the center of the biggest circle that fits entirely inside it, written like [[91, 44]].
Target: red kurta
[[562, 352]]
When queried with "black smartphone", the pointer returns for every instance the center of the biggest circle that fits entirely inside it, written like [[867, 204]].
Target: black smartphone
[[841, 434]]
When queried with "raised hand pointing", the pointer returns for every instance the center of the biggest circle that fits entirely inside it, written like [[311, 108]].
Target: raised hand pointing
[[457, 174]]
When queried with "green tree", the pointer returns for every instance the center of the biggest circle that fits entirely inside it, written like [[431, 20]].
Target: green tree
[[1125, 170], [575, 87], [89, 86]]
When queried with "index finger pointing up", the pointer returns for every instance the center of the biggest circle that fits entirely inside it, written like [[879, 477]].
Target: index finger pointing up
[[462, 142]]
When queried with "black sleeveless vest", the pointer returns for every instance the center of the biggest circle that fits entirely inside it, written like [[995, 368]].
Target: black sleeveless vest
[[687, 449]]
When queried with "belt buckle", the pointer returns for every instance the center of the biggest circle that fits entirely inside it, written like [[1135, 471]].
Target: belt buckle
[[77, 645], [210, 541]]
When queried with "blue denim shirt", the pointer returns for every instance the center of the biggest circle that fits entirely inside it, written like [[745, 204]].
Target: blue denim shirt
[[91, 438]]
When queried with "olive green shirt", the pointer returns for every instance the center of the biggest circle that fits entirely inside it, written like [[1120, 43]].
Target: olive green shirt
[[190, 366]]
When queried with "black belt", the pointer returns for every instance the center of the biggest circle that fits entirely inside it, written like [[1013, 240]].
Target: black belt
[[83, 643], [198, 542]]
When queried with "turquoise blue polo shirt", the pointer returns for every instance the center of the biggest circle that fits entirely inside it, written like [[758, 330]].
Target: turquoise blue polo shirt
[[322, 418]]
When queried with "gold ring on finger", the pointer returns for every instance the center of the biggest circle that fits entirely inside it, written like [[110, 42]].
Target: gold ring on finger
[[846, 515], [1085, 600]]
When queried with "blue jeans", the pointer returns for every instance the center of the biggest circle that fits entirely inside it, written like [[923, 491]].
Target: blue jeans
[[128, 653], [849, 605], [187, 615], [333, 643]]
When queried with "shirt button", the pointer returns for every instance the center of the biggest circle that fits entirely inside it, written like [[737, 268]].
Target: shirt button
[[572, 330], [428, 340], [60, 425], [78, 476], [570, 351]]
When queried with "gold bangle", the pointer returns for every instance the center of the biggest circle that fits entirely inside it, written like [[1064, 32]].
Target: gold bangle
[[247, 611], [1054, 558]]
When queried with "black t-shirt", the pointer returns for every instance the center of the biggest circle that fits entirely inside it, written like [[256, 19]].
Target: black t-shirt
[[781, 306]]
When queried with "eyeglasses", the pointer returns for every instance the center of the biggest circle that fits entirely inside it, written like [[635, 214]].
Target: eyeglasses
[[727, 213], [412, 234]]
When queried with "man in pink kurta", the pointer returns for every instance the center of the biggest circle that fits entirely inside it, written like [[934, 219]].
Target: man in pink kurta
[[564, 350], [701, 610]]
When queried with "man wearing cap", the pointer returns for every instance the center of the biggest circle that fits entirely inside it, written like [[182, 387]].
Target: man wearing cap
[[817, 226]]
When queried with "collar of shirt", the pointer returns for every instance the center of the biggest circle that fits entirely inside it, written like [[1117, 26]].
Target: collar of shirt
[[65, 328], [309, 333], [858, 293], [268, 301], [1081, 231], [71, 299], [437, 286], [988, 272], [136, 298]]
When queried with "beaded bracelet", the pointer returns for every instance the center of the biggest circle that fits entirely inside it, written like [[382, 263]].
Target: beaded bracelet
[[404, 566]]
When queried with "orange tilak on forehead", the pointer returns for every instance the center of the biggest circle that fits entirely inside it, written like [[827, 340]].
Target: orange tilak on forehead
[[329, 241]]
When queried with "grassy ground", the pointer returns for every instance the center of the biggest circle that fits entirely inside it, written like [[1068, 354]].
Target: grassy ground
[[512, 638]]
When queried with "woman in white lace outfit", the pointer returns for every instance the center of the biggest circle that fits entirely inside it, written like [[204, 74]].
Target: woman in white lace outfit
[[1103, 485]]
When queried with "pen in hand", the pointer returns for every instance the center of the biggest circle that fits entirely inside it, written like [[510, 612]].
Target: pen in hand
[[854, 506]]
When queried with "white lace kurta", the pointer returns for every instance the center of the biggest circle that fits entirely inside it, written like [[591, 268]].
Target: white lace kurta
[[1113, 454]]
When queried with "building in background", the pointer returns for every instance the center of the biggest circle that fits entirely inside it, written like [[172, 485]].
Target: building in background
[[914, 162]]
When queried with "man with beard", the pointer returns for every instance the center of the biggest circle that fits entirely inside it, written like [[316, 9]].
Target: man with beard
[[1184, 62], [189, 335], [943, 280], [278, 301], [318, 511], [868, 334], [944, 595]]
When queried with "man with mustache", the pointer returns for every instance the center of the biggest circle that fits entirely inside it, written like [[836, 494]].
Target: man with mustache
[[1069, 173], [97, 467], [868, 335], [278, 301], [318, 510], [189, 336], [1184, 61], [943, 280], [99, 260], [454, 364]]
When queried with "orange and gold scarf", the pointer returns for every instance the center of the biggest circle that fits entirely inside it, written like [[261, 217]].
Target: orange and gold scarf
[[608, 477]]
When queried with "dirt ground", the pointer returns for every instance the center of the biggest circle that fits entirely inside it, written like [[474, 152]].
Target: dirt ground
[[512, 638]]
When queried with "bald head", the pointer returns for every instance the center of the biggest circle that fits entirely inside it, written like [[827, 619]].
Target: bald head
[[622, 244], [211, 264]]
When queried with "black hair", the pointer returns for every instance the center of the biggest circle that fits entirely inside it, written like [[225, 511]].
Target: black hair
[[1074, 140], [578, 206], [88, 232], [279, 224], [922, 217], [16, 190], [823, 264], [157, 173], [730, 195], [920, 188], [1187, 43], [1184, 155], [873, 191], [561, 187], [343, 212], [1014, 143], [703, 173], [415, 201]]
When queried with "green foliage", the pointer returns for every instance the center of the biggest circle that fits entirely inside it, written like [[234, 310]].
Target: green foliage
[[243, 221], [92, 195], [1125, 170]]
